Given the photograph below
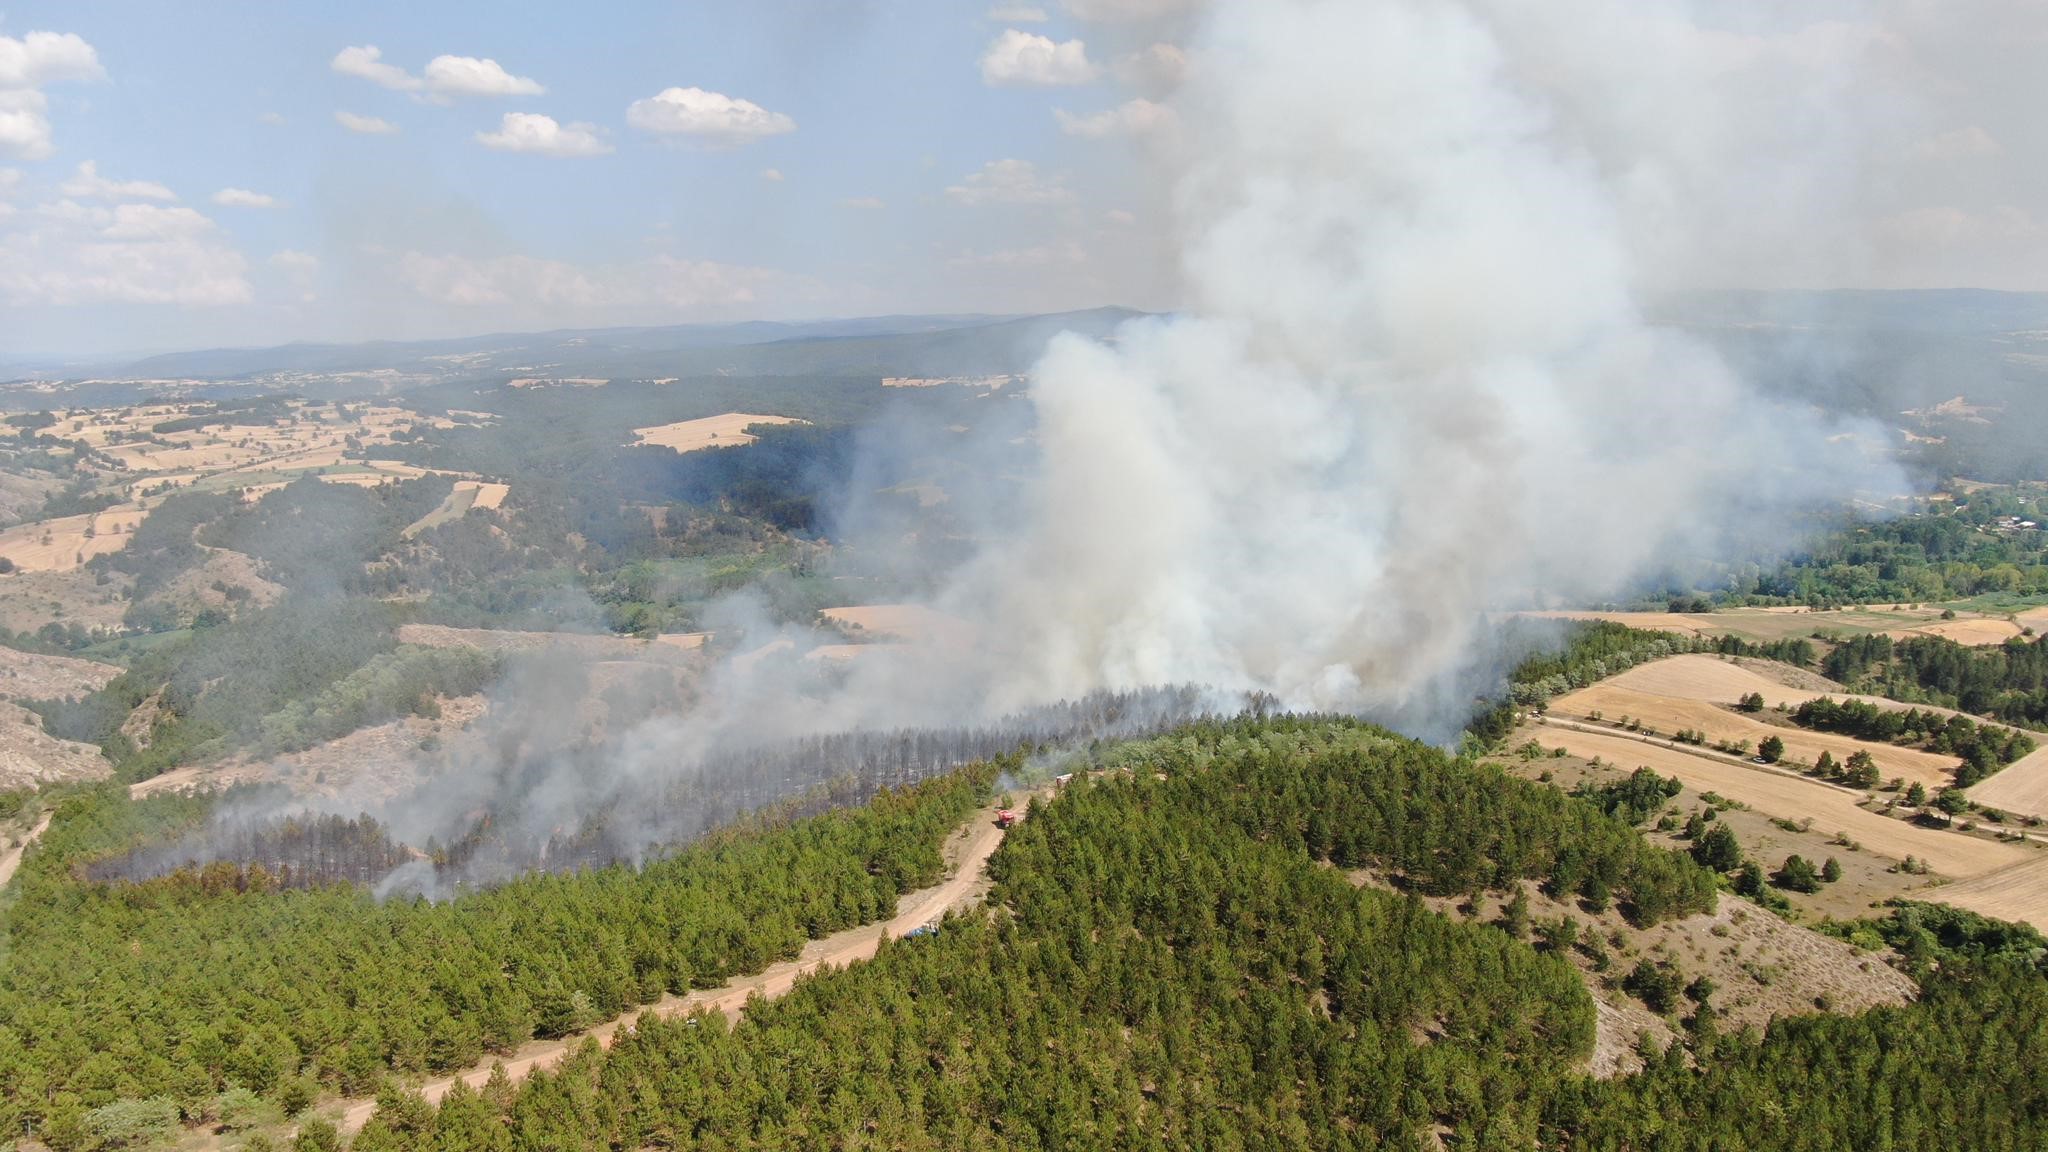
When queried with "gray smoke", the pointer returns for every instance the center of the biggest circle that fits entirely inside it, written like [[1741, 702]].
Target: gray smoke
[[1413, 385]]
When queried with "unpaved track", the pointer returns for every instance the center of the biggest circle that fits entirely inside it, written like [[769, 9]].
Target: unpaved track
[[12, 860], [967, 851]]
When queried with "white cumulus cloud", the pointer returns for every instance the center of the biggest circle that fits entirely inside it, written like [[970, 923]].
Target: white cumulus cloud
[[541, 135], [1009, 182], [41, 58], [26, 64], [470, 76], [1130, 119], [367, 63], [243, 198], [712, 117], [445, 76], [1018, 58], [367, 125], [66, 253], [89, 184], [772, 175]]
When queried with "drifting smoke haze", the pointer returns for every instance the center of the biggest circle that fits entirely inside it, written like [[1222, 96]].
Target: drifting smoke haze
[[1413, 384]]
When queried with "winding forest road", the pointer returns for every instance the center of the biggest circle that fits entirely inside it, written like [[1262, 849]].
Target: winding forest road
[[967, 851], [12, 860]]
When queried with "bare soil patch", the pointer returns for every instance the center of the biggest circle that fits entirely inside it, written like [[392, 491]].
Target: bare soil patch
[[30, 757], [34, 676]]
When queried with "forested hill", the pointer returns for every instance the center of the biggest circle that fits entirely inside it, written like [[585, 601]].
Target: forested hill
[[1179, 951], [1170, 965]]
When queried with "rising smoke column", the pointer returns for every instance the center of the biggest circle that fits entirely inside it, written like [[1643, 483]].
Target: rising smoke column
[[1413, 383]]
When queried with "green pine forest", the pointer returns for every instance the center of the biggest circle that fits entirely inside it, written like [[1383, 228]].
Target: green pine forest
[[1174, 955]]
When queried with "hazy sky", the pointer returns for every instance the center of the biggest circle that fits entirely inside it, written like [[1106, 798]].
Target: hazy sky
[[174, 175]]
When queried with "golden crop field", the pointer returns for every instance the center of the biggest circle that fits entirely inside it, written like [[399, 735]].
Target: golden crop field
[[726, 431]]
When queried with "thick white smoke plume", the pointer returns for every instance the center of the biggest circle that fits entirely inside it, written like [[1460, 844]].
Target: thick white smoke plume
[[1413, 383]]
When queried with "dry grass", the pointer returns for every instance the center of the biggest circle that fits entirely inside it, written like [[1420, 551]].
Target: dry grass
[[724, 431], [29, 600], [1763, 966], [1833, 810]]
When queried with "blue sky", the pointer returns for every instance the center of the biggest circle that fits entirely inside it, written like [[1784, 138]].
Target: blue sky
[[875, 111], [180, 175]]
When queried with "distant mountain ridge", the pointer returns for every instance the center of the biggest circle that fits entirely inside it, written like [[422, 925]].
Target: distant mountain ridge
[[875, 345]]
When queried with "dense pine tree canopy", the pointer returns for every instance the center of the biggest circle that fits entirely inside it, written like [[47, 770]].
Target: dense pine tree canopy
[[1176, 953]]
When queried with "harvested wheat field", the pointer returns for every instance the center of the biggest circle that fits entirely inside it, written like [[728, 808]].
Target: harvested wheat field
[[910, 623], [66, 542], [1667, 715], [466, 495], [1951, 854], [1685, 624], [1976, 632], [2033, 618], [2021, 786], [1767, 624], [2016, 893], [1722, 681], [580, 644], [724, 431]]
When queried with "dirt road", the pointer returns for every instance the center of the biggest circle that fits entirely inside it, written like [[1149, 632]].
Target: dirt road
[[12, 860], [966, 852]]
